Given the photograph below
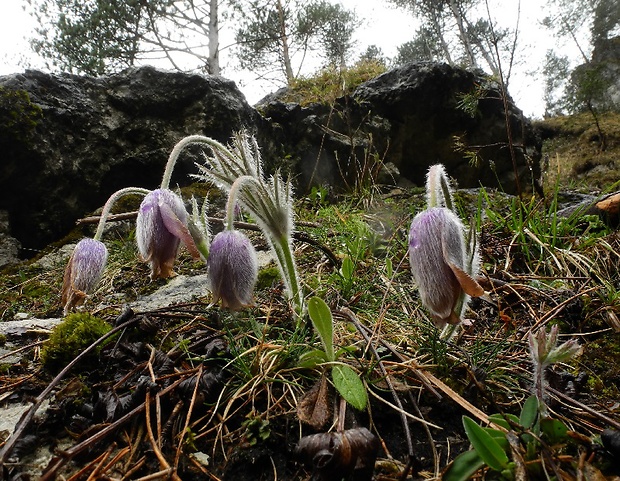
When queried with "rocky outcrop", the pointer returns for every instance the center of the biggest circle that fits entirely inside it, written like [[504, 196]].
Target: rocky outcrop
[[87, 137], [411, 117], [67, 142]]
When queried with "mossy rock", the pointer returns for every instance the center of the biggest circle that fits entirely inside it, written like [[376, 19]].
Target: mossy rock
[[70, 338], [18, 115]]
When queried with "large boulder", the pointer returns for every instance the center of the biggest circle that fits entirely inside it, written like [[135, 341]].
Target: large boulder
[[411, 117], [78, 139]]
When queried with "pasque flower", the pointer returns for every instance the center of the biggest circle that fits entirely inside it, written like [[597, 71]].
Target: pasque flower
[[87, 262], [232, 269], [438, 259], [160, 227], [232, 266], [83, 272], [443, 263], [268, 199]]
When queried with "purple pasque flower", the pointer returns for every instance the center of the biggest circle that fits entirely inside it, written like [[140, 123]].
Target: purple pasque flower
[[438, 258], [232, 269], [160, 228], [83, 272]]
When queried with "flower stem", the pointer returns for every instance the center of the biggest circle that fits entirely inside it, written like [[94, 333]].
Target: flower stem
[[176, 151], [110, 203], [539, 387], [290, 270], [232, 199]]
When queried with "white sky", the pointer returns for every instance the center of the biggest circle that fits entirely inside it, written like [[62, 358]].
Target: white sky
[[383, 25]]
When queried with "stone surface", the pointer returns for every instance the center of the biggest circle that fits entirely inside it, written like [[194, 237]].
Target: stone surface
[[410, 118]]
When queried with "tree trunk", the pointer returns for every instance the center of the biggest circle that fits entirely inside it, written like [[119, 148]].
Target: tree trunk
[[213, 62], [436, 23], [458, 16], [286, 59]]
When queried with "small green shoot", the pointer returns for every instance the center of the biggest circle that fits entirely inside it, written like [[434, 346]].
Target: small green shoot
[[490, 446], [347, 382], [485, 445]]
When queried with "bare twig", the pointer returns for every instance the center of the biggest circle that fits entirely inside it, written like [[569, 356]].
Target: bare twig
[[297, 235]]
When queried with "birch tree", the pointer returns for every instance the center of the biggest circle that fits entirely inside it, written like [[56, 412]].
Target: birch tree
[[103, 36]]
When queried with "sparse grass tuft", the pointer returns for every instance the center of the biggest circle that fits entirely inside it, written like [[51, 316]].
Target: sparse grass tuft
[[332, 83]]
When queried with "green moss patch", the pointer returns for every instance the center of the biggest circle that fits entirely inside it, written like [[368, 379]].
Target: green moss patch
[[70, 338]]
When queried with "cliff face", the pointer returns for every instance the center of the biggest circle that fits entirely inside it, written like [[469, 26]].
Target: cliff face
[[67, 142]]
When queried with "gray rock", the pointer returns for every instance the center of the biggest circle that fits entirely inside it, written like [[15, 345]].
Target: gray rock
[[409, 117], [9, 245]]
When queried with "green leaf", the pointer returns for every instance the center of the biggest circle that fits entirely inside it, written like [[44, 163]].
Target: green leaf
[[529, 412], [499, 437], [504, 420], [350, 386], [554, 430], [347, 268], [487, 448], [463, 466], [311, 359], [322, 320], [389, 269], [346, 350]]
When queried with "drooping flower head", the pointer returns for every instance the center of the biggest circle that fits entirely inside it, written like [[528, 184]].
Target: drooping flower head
[[87, 263], [439, 264], [232, 269], [443, 263], [232, 266], [268, 199], [83, 272], [160, 227]]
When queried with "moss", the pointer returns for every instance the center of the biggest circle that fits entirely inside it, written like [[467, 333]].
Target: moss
[[267, 276], [70, 338], [27, 287], [18, 115]]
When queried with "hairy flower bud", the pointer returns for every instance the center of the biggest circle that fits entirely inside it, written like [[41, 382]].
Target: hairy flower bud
[[160, 227], [233, 269], [437, 255], [83, 272]]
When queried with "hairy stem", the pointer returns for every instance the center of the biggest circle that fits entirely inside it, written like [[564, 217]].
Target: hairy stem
[[110, 203]]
